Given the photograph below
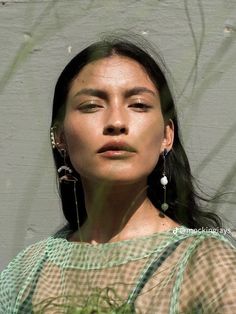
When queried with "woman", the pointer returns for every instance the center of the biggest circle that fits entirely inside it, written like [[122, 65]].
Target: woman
[[128, 197]]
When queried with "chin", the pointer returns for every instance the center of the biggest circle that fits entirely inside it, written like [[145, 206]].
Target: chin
[[117, 178]]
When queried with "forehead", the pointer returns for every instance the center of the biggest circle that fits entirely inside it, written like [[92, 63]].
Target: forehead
[[114, 71]]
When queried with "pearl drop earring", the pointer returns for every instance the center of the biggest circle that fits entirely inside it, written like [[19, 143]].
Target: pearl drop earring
[[164, 181]]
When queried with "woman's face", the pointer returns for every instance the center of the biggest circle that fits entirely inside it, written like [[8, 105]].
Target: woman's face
[[113, 129]]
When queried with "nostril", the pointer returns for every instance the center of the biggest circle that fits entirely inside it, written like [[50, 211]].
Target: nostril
[[110, 130]]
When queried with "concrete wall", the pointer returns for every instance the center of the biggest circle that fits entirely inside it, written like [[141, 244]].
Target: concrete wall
[[39, 37]]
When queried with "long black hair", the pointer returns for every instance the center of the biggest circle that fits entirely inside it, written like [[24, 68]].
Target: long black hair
[[184, 206]]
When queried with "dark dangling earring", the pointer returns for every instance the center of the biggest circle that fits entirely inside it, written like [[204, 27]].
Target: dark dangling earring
[[65, 172], [164, 181], [66, 176]]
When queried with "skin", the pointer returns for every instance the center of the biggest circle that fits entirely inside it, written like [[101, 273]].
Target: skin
[[113, 99]]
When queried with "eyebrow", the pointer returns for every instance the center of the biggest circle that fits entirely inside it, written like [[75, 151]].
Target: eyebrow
[[138, 91], [104, 95], [92, 92]]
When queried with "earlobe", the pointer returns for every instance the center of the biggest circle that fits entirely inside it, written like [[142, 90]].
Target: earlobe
[[168, 136]]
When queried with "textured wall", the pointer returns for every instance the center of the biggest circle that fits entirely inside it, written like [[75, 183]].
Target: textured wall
[[197, 39]]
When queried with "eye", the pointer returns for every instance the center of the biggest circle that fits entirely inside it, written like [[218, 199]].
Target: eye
[[139, 106], [89, 107]]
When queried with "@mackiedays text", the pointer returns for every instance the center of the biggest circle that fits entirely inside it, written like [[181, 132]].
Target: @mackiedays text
[[184, 230]]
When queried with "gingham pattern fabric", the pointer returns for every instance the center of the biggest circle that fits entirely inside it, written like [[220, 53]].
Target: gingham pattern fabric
[[177, 271]]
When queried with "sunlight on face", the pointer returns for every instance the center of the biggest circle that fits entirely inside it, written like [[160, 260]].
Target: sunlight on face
[[113, 128]]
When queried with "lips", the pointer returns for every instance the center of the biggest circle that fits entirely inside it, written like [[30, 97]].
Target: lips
[[116, 146]]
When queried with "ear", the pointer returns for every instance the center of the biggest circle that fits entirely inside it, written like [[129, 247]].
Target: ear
[[58, 138], [168, 136]]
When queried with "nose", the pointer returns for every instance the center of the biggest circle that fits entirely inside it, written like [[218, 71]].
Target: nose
[[116, 123]]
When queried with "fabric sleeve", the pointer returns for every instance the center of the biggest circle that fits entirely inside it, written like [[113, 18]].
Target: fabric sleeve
[[14, 276], [209, 284]]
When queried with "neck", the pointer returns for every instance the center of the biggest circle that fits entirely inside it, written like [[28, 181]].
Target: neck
[[118, 212]]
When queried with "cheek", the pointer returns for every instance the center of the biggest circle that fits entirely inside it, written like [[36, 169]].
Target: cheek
[[77, 142], [152, 143], [154, 150], [78, 133], [78, 148], [151, 134]]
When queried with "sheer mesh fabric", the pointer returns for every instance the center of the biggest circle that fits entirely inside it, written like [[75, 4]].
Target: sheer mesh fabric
[[198, 275]]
